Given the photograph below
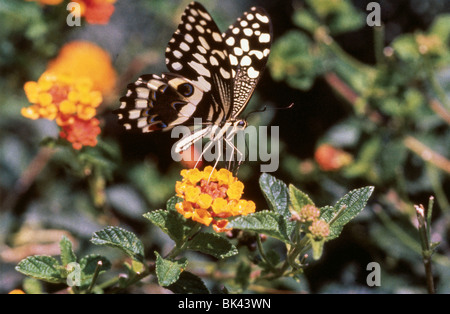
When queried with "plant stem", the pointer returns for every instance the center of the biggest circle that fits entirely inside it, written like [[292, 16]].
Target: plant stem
[[439, 109], [426, 153], [424, 232], [113, 281], [378, 36], [262, 252], [439, 192], [178, 249], [94, 278], [345, 57], [341, 88]]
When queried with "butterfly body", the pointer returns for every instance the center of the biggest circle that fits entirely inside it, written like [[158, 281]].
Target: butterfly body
[[212, 77]]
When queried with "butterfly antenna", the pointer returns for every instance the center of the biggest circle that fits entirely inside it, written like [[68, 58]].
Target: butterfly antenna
[[265, 108]]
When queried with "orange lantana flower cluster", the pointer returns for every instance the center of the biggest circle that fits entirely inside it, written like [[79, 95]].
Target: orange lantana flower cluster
[[68, 101], [70, 95], [211, 196]]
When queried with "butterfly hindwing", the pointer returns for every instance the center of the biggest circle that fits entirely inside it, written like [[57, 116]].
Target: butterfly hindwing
[[159, 103]]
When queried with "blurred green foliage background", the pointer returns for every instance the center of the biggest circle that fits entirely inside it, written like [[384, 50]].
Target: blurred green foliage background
[[379, 93]]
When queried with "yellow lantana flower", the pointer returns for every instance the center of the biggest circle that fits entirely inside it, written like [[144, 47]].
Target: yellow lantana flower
[[210, 196]]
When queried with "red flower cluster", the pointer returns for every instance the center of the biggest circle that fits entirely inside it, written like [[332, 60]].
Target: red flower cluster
[[330, 158], [94, 11]]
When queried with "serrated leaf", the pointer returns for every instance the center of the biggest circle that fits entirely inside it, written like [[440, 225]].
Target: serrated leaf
[[212, 244], [298, 198], [41, 267], [188, 283], [277, 195], [169, 271], [89, 264], [67, 254], [122, 239], [171, 223], [345, 210], [267, 222]]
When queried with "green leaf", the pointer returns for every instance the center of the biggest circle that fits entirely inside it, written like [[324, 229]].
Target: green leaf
[[277, 195], [172, 223], [243, 272], [266, 222], [212, 244], [169, 271], [294, 59], [340, 16], [306, 20], [441, 27], [298, 198], [345, 210], [32, 286], [89, 264], [188, 283], [41, 267], [406, 48], [67, 254], [122, 239]]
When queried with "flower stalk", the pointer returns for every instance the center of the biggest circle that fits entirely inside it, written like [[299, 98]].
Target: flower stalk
[[424, 226]]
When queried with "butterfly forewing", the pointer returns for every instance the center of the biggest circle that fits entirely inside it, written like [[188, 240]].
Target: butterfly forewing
[[197, 51], [248, 40]]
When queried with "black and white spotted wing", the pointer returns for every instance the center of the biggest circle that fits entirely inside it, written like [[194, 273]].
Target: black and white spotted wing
[[197, 51], [248, 40], [212, 74]]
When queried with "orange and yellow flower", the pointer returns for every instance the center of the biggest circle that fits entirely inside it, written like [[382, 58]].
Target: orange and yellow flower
[[211, 196], [71, 90], [68, 100], [61, 97]]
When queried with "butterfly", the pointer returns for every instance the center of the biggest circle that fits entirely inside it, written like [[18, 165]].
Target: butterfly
[[212, 77]]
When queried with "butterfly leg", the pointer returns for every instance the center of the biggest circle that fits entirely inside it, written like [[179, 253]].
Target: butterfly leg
[[208, 145], [220, 147], [228, 140]]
